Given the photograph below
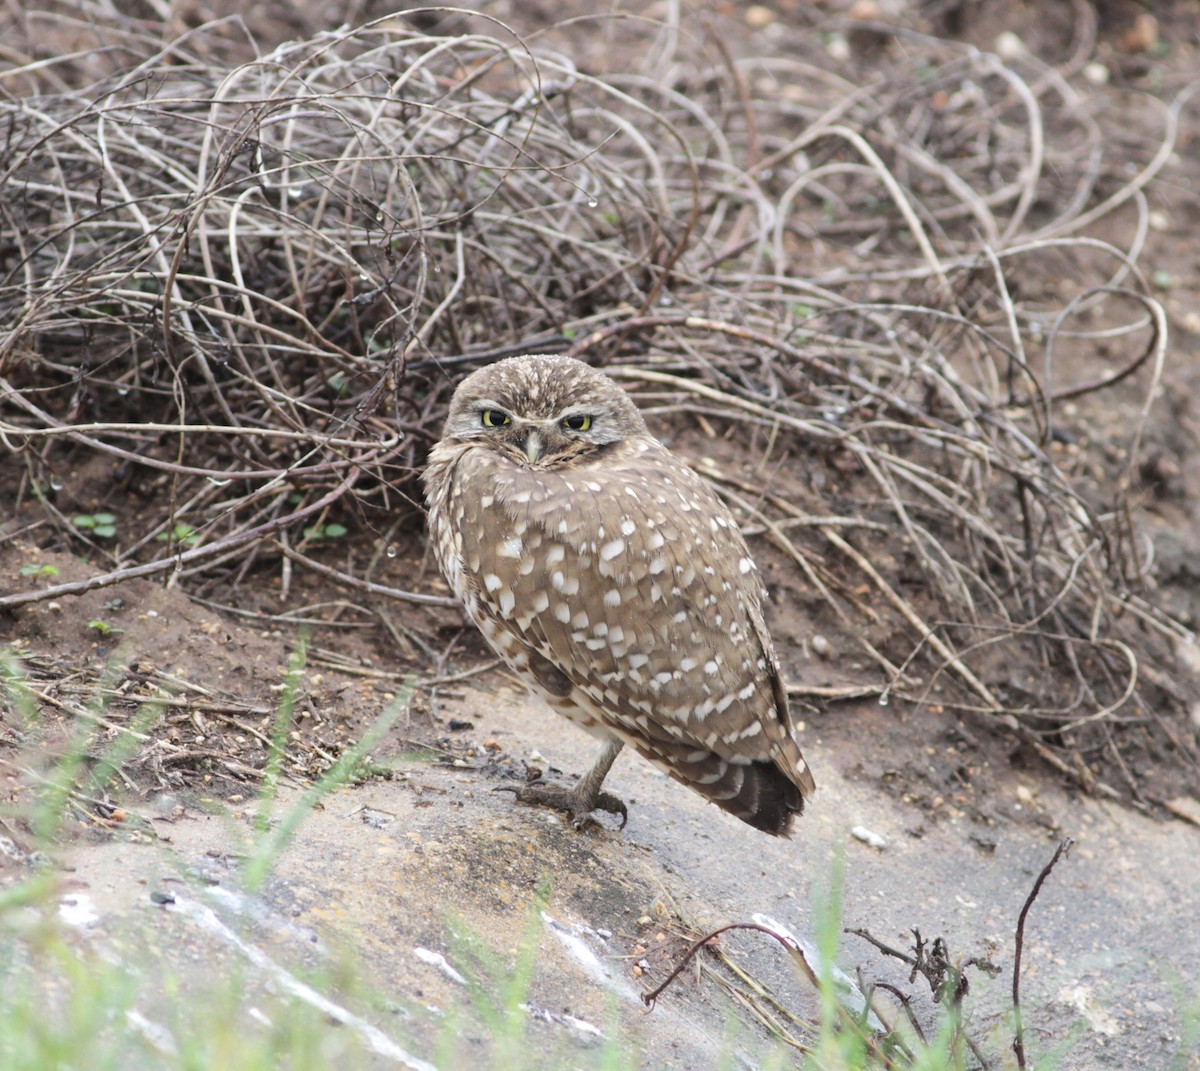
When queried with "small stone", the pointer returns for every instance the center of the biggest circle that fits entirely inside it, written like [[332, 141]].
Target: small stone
[[758, 16], [837, 48], [868, 837], [820, 646], [865, 10], [1142, 36], [1096, 73], [1009, 46], [1024, 795]]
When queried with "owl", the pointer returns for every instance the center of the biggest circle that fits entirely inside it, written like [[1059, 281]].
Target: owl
[[616, 584]]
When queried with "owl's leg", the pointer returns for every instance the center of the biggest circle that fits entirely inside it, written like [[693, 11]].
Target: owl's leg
[[579, 802]]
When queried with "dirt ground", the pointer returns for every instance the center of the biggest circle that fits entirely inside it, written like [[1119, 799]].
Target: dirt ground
[[969, 814]]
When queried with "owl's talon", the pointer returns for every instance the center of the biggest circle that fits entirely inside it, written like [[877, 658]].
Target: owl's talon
[[580, 810], [606, 801]]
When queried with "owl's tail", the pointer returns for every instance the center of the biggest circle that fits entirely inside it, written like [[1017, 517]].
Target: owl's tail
[[761, 793]]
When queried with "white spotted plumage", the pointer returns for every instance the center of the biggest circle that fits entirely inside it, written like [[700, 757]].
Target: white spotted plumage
[[614, 580]]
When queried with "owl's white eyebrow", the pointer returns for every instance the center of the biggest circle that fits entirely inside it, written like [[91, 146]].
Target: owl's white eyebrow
[[575, 410]]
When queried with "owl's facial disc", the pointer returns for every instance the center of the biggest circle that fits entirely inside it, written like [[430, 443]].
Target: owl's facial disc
[[542, 411], [544, 441], [536, 437], [573, 431]]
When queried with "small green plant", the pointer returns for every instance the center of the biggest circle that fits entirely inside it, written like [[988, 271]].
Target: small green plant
[[65, 1004], [15, 694], [34, 569], [497, 989], [101, 525], [180, 533], [274, 835], [499, 1010], [326, 531], [104, 628]]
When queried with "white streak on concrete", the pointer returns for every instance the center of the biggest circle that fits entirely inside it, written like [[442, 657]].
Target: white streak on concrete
[[78, 910], [848, 992], [208, 920], [436, 959]]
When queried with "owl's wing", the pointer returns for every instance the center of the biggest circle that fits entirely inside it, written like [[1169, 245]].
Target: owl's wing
[[626, 588]]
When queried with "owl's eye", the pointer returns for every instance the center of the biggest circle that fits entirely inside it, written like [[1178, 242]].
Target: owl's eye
[[495, 418], [577, 422]]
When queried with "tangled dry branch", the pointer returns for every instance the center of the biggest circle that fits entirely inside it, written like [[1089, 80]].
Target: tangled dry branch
[[240, 296]]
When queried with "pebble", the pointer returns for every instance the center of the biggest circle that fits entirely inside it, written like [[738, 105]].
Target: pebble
[[865, 10], [837, 48], [758, 16], [868, 837], [1009, 46], [1143, 35]]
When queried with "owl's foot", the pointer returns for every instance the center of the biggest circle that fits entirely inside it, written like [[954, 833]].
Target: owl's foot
[[579, 803]]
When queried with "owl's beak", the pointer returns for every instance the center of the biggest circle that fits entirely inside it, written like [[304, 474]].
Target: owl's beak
[[532, 446]]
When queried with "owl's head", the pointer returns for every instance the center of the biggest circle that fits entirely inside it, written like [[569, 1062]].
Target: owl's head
[[542, 410]]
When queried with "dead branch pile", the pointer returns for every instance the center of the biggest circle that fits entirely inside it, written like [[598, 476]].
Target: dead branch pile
[[240, 296]]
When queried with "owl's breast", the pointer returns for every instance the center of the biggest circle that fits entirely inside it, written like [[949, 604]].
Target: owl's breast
[[630, 579]]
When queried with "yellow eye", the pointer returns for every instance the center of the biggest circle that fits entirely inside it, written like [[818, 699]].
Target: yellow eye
[[495, 418], [578, 422]]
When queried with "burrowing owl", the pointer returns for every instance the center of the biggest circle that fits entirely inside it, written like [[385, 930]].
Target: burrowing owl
[[616, 583]]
